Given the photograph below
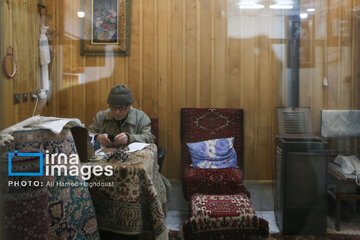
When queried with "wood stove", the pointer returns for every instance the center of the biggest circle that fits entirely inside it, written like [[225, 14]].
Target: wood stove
[[301, 175]]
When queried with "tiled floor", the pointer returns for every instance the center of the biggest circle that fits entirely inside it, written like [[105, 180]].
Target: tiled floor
[[262, 201]]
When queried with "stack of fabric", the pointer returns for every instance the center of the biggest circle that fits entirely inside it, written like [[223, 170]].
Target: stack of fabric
[[25, 205], [59, 207], [70, 209]]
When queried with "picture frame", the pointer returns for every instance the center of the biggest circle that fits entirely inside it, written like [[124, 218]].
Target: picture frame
[[306, 37], [338, 33], [339, 27], [105, 28], [306, 53]]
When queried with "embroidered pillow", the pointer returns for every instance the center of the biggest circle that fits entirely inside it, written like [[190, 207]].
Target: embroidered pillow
[[214, 153]]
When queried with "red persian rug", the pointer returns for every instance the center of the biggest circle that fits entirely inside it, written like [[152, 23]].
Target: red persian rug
[[330, 236]]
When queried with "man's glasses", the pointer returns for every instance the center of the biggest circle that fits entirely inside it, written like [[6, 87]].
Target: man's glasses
[[120, 107]]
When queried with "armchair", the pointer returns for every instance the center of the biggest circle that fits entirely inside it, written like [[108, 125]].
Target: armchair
[[199, 124]]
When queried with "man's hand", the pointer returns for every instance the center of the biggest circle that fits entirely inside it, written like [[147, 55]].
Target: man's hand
[[104, 140], [121, 139]]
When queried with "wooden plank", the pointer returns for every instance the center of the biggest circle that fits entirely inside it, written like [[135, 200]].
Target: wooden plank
[[317, 89], [212, 53], [191, 56], [277, 57], [234, 88], [135, 60], [32, 54], [163, 46], [263, 99], [56, 71], [306, 66], [119, 75], [198, 54], [333, 55], [235, 71], [3, 32], [148, 58], [355, 59], [205, 53], [249, 95], [324, 5], [25, 49], [91, 89], [220, 54], [23, 35], [16, 44], [155, 63], [33, 74], [65, 106], [49, 107], [9, 84], [345, 90], [315, 96], [77, 69], [105, 67], [176, 91], [319, 68]]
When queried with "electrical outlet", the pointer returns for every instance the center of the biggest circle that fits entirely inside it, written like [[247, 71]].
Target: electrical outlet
[[325, 82], [16, 98], [24, 97]]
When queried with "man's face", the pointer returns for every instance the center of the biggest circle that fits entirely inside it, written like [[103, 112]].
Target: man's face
[[119, 111]]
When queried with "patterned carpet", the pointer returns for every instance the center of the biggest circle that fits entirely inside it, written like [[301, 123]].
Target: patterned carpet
[[330, 236], [174, 235]]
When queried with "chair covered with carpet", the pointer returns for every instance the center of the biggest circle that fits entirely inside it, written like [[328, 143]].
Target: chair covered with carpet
[[225, 217], [200, 124]]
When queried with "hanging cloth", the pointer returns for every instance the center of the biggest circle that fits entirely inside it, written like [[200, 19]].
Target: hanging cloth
[[44, 59]]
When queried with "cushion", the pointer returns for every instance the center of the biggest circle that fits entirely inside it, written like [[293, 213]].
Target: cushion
[[223, 217], [214, 153], [214, 181]]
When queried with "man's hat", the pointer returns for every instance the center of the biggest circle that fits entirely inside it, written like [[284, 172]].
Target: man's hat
[[120, 95]]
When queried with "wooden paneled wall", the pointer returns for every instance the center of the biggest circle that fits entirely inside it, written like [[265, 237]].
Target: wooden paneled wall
[[19, 29], [205, 53], [335, 52]]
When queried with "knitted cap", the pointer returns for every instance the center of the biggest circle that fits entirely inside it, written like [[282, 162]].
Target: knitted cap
[[120, 95]]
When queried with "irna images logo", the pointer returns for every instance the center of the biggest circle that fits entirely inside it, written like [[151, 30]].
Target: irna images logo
[[15, 153], [61, 164]]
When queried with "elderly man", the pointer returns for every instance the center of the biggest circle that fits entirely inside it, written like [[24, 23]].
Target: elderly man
[[121, 124]]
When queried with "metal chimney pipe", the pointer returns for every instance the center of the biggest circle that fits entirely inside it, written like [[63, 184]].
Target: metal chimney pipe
[[294, 56]]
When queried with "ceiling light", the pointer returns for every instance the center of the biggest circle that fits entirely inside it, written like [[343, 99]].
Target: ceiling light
[[281, 6], [303, 15], [81, 14], [251, 6], [310, 9]]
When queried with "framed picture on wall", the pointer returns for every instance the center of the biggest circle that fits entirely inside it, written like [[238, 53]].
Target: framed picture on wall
[[338, 33], [305, 33], [306, 53], [105, 27], [338, 27]]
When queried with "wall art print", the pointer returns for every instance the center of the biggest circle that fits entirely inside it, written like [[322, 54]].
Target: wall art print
[[106, 27]]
